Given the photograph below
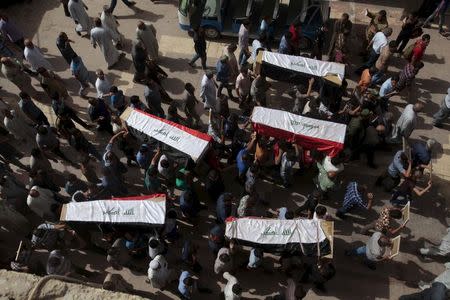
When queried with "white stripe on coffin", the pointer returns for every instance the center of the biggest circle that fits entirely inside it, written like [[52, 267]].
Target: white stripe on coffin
[[143, 210], [278, 119], [186, 140]]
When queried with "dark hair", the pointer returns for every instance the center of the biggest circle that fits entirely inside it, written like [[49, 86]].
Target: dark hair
[[373, 70], [236, 288], [321, 210], [289, 215], [419, 65], [246, 22], [392, 44], [395, 213], [395, 78], [134, 99], [39, 232], [362, 188], [98, 22], [382, 12], [165, 163], [258, 253], [188, 281], [328, 271], [188, 85], [224, 257], [114, 89], [24, 95], [288, 35], [426, 37], [172, 214], [35, 151], [153, 243]]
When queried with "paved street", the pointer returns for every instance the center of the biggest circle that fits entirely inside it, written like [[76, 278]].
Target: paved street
[[42, 20]]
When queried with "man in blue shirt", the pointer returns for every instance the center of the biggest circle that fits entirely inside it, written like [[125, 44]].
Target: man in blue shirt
[[143, 157], [421, 154], [387, 90], [117, 100], [224, 207], [243, 159], [400, 166]]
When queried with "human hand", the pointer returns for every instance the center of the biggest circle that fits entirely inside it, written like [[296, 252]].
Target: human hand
[[370, 196]]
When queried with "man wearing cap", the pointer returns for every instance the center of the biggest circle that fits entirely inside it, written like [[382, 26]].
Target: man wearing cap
[[444, 111], [159, 274], [208, 91]]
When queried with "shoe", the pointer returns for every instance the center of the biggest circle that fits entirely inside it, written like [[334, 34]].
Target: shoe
[[132, 3], [79, 33]]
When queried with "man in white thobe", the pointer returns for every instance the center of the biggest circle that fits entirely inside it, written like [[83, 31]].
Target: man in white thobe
[[79, 15], [232, 290], [208, 92], [406, 123], [159, 274], [35, 57], [102, 84], [17, 126], [110, 22], [147, 34], [42, 202], [102, 37]]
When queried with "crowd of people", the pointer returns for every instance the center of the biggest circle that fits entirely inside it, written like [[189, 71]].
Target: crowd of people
[[30, 211]]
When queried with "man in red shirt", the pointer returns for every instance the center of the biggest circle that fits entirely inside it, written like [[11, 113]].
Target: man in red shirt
[[419, 48]]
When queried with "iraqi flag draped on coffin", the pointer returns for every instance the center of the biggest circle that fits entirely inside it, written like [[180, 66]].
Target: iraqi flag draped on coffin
[[189, 141], [307, 132], [276, 235], [294, 69], [144, 210]]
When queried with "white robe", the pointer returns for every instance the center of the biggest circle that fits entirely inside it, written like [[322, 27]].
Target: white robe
[[109, 22], [102, 37], [36, 59], [18, 128], [102, 87], [159, 278], [79, 14], [148, 38]]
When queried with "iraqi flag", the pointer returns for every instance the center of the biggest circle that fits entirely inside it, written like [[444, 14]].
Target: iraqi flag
[[145, 210], [189, 141], [307, 132]]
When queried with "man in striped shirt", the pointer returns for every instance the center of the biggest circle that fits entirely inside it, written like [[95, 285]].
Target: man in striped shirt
[[355, 196]]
